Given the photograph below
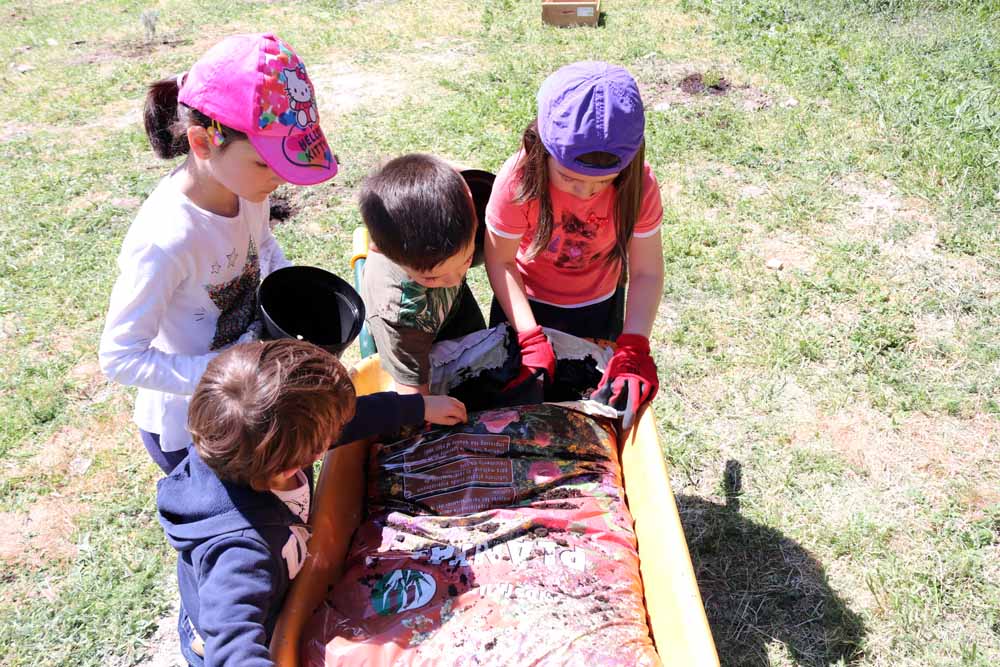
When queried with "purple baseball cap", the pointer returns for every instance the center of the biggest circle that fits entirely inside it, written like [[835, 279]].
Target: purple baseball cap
[[590, 106], [256, 84]]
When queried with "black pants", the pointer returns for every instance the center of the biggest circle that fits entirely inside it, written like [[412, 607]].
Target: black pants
[[600, 320]]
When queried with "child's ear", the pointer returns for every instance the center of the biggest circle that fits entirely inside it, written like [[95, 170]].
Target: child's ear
[[199, 142]]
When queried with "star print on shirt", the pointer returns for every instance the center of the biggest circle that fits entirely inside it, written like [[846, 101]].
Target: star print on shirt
[[231, 257], [236, 300], [216, 267]]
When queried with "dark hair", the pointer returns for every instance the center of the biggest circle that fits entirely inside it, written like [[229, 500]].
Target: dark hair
[[533, 169], [418, 211], [167, 120], [268, 407]]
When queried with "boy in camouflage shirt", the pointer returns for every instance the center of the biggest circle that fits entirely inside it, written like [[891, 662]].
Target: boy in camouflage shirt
[[422, 224]]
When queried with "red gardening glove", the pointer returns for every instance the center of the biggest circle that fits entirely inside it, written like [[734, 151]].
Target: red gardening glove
[[630, 380], [537, 357]]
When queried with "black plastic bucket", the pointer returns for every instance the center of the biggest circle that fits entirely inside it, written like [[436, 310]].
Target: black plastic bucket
[[311, 304], [480, 185]]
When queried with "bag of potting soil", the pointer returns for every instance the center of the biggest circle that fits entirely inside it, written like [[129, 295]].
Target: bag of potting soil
[[505, 541]]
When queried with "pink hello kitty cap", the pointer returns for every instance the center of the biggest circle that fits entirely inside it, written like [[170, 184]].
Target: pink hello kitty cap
[[256, 84]]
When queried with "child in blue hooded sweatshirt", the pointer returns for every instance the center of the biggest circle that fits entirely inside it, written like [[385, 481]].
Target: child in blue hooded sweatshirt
[[236, 509]]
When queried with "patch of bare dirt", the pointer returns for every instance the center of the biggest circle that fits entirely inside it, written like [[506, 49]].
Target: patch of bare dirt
[[342, 88], [931, 329], [907, 233], [787, 252], [664, 85], [751, 191], [445, 51], [879, 207], [14, 130], [875, 202], [67, 458], [670, 189], [112, 117], [56, 455], [131, 48], [979, 498], [42, 534], [164, 645], [931, 447], [87, 201], [86, 379]]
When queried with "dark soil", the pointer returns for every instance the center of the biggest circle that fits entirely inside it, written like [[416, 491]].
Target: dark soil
[[281, 207], [559, 494], [694, 84]]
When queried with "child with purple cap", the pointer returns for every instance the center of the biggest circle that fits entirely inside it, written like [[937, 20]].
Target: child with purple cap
[[244, 115], [575, 217]]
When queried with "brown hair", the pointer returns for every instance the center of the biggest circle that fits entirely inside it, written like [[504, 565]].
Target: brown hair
[[418, 211], [167, 120], [268, 407], [534, 176]]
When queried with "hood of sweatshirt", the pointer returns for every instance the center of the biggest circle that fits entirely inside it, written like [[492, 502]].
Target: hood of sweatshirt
[[195, 505]]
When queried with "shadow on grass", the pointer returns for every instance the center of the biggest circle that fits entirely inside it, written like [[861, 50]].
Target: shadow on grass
[[760, 587]]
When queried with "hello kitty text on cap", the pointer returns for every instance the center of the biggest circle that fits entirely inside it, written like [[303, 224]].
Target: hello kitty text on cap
[[591, 106], [256, 84]]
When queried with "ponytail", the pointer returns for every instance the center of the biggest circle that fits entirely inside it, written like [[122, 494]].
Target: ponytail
[[167, 135], [167, 120]]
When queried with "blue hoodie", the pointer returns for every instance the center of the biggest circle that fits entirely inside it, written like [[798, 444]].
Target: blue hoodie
[[239, 549]]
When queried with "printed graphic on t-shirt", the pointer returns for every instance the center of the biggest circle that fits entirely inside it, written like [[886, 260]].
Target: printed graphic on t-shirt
[[295, 550], [572, 241], [236, 299], [425, 308]]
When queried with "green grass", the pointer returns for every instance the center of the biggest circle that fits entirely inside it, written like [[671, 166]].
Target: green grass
[[833, 427]]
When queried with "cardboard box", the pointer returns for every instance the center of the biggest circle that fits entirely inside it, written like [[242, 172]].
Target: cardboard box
[[569, 12]]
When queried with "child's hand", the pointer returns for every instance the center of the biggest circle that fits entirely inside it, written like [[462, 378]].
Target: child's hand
[[444, 410]]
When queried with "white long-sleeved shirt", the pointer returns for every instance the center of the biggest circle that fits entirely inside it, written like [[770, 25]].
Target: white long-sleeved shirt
[[187, 288]]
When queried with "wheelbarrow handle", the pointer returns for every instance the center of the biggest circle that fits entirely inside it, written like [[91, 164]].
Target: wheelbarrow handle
[[359, 249], [359, 255]]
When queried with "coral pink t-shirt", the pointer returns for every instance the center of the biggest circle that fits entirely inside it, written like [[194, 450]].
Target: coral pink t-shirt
[[572, 270]]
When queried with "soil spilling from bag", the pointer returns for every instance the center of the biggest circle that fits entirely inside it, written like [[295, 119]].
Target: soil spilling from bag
[[574, 379]]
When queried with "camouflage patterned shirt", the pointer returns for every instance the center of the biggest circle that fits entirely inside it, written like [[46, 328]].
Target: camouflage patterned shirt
[[404, 317]]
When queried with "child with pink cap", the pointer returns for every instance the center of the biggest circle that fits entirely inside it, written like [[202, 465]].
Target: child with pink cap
[[573, 219], [199, 246], [245, 117]]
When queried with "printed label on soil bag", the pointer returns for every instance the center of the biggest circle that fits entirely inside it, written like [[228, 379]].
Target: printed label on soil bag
[[453, 447], [457, 474], [470, 500]]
